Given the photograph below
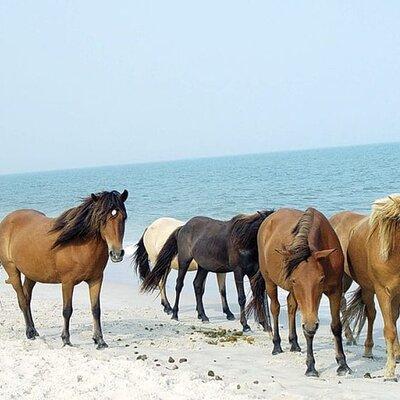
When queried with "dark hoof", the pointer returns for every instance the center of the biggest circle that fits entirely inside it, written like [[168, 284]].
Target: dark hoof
[[277, 350], [167, 310], [230, 317], [102, 346], [205, 320], [246, 328], [343, 370], [392, 379], [312, 373], [370, 356], [351, 342], [67, 343], [31, 333], [295, 348], [174, 317]]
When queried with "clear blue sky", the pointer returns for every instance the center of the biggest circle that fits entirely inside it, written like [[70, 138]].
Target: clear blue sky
[[87, 83]]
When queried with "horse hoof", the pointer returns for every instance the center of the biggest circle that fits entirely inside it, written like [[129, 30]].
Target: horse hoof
[[102, 346], [295, 349], [230, 317], [344, 370], [370, 356], [67, 343], [246, 328], [276, 351], [312, 373], [31, 334], [391, 379], [168, 310], [174, 317], [205, 320], [351, 342]]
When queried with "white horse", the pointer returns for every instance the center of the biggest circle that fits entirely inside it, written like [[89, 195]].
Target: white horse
[[148, 248]]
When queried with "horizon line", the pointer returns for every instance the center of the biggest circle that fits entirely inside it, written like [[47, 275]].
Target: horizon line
[[197, 158]]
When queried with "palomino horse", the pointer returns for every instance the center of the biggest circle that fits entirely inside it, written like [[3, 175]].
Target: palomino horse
[[300, 252], [216, 246], [147, 250], [372, 244], [69, 249]]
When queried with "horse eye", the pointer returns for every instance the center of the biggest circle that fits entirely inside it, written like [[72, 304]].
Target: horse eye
[[114, 213]]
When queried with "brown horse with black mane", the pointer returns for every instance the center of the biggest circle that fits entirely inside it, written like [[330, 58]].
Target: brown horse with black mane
[[69, 249], [300, 252], [216, 246]]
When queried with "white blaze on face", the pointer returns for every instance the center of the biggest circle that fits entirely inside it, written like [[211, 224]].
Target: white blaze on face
[[114, 213]]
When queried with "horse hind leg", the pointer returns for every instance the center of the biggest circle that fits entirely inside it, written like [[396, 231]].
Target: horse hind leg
[[164, 298], [199, 286], [370, 311], [183, 268], [221, 279], [272, 292], [28, 287], [14, 278]]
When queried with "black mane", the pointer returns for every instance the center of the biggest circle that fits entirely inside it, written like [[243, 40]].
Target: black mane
[[84, 221]]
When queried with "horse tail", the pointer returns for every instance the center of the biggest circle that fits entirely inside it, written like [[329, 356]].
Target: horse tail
[[355, 312], [140, 259], [258, 305], [163, 263]]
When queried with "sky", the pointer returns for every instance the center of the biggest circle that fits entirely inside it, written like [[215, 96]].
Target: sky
[[88, 83]]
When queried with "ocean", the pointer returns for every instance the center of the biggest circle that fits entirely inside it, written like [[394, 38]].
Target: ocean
[[331, 180]]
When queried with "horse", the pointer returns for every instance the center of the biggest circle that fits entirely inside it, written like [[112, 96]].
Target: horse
[[216, 246], [372, 245], [69, 249], [300, 253], [147, 250]]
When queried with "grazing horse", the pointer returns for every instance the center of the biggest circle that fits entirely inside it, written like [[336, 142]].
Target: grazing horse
[[216, 246], [373, 256], [300, 252], [147, 250], [69, 249]]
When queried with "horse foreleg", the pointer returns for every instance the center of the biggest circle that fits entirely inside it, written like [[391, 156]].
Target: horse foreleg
[[221, 279], [335, 299], [292, 309], [199, 286], [241, 298], [163, 293], [183, 268], [94, 293], [272, 291], [67, 292], [28, 287], [396, 311], [389, 330]]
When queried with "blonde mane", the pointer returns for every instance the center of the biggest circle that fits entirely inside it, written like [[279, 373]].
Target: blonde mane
[[385, 217]]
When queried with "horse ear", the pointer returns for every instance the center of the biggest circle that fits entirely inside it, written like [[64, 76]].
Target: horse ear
[[94, 197], [323, 253], [124, 196]]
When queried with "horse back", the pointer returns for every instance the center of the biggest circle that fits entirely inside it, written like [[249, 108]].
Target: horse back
[[205, 239]]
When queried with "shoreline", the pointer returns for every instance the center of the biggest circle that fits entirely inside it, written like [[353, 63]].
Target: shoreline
[[134, 325]]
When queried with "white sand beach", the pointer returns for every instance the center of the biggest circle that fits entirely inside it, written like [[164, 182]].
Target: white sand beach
[[134, 325]]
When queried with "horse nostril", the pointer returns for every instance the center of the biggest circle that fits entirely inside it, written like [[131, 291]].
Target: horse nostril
[[122, 253]]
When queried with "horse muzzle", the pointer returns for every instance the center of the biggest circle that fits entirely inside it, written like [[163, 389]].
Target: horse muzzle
[[117, 256]]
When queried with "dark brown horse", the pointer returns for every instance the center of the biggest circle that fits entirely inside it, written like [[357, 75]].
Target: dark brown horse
[[300, 252], [216, 246], [69, 249]]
